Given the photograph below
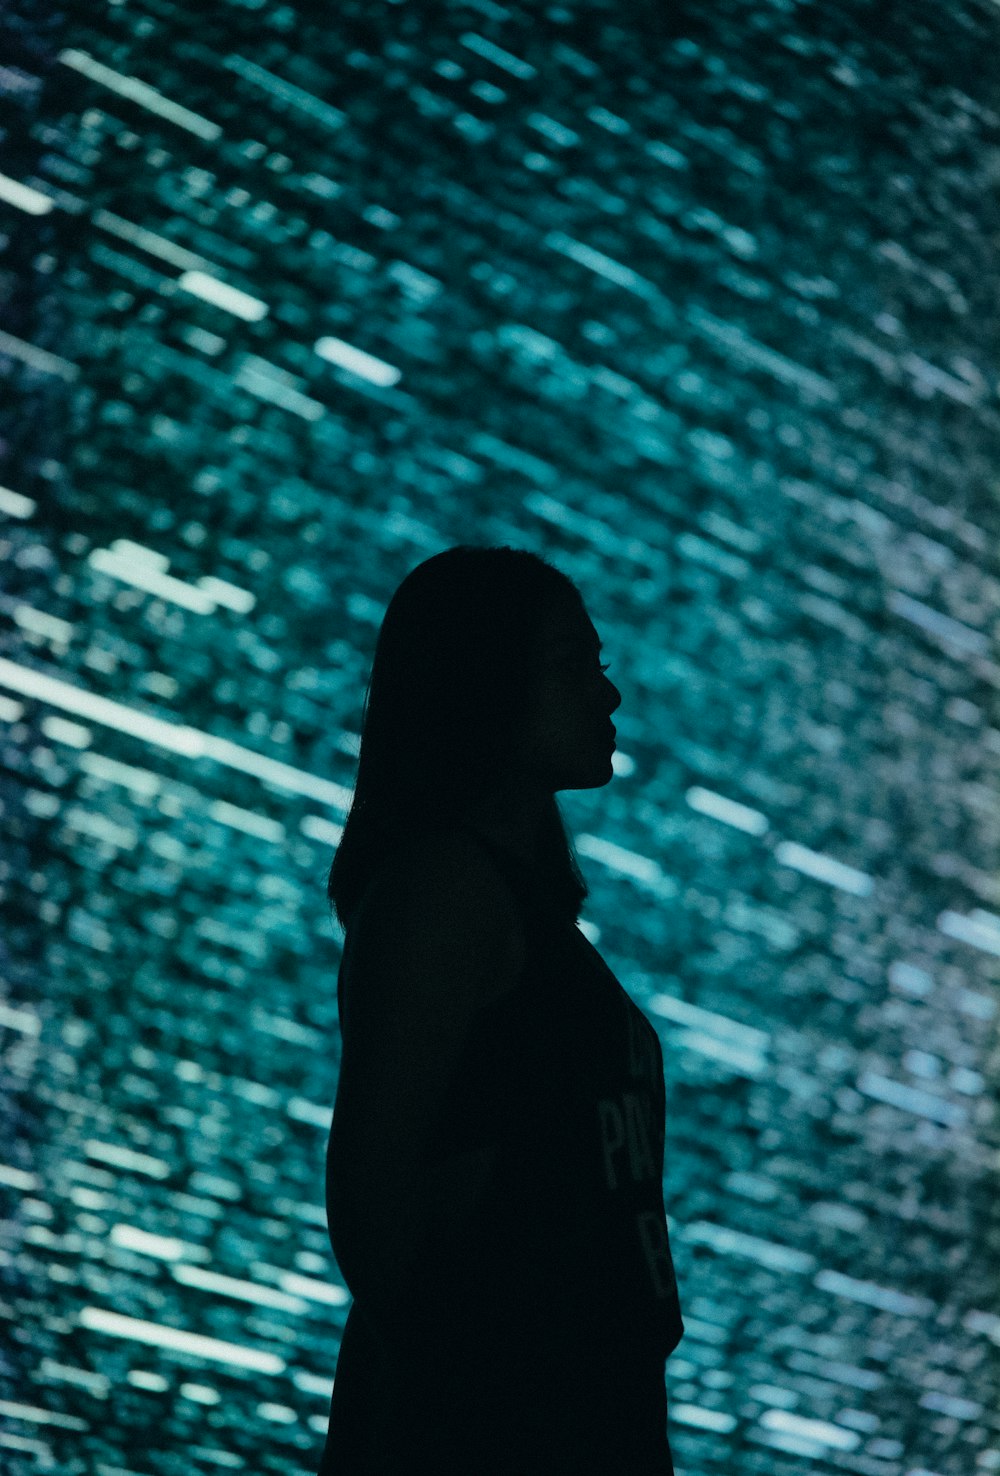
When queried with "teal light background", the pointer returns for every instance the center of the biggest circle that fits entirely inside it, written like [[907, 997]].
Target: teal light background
[[700, 302]]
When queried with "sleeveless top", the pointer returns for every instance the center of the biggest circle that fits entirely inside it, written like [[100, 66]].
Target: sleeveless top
[[562, 1079]]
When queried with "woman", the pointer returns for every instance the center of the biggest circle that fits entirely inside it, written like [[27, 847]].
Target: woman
[[494, 1170]]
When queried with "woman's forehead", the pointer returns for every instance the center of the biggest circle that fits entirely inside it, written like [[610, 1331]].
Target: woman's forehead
[[571, 628]]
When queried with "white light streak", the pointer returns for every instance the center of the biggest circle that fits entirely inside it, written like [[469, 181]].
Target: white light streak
[[155, 1333], [141, 93], [948, 630], [15, 504], [144, 1378], [244, 1291], [312, 1383], [97, 1384], [295, 96], [279, 1414], [703, 1419], [911, 1099], [312, 1112], [61, 730], [37, 358], [324, 831], [742, 346], [873, 1295], [987, 1323], [736, 1243], [316, 1291], [161, 1247], [230, 595], [824, 868], [126, 1158], [23, 197], [270, 383], [627, 863], [49, 627], [156, 245], [730, 812], [818, 1430], [112, 772], [175, 737], [972, 930], [147, 577], [247, 820], [20, 1019], [200, 1393], [500, 58], [721, 1026], [16, 1178], [366, 366], [89, 822], [602, 265], [221, 294], [30, 1414]]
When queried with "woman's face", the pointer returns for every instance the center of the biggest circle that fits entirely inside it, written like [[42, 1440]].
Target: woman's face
[[568, 739]]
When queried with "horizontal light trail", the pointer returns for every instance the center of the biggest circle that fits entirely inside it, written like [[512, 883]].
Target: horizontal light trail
[[146, 577], [873, 1295], [314, 1113], [37, 358], [145, 568], [976, 930], [730, 812], [324, 831], [160, 1247], [141, 93], [35, 1416], [601, 264], [316, 1291], [221, 294], [945, 628], [20, 1019], [15, 504], [697, 1018], [160, 1336], [822, 1431], [736, 343], [770, 1253], [496, 54], [243, 1291], [700, 1418], [366, 366], [823, 868], [230, 595], [911, 1099], [175, 737], [127, 230], [61, 730], [23, 197], [289, 92], [127, 1158], [49, 627], [17, 1178]]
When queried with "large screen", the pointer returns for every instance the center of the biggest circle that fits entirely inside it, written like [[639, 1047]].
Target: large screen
[[699, 301]]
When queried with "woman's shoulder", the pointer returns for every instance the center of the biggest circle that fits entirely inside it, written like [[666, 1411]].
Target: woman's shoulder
[[440, 892]]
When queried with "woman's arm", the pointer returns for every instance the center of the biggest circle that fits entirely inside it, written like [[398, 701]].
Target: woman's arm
[[433, 942]]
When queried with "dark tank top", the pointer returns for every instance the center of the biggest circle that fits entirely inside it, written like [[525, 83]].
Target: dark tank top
[[563, 1077], [533, 1337]]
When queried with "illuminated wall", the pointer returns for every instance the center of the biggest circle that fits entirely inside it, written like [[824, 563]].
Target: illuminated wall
[[700, 301]]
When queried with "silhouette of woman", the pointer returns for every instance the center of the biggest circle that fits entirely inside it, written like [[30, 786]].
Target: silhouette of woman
[[494, 1168]]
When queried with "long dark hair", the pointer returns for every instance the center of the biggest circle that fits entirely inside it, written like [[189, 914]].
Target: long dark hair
[[449, 685]]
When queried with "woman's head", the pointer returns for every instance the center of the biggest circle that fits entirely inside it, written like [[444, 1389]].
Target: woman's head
[[485, 678]]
